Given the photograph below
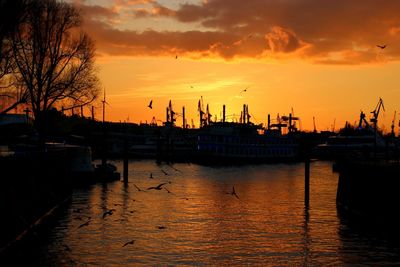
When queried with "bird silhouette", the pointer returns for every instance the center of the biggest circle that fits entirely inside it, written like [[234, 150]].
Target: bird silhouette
[[161, 227], [158, 187], [176, 57], [169, 192], [245, 90], [138, 189], [84, 224], [233, 193], [150, 104], [129, 243], [108, 212], [381, 46]]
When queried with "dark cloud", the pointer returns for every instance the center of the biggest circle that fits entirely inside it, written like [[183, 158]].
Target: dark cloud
[[327, 32]]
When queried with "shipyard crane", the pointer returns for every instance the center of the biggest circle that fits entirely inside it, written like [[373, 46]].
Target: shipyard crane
[[375, 113], [362, 119]]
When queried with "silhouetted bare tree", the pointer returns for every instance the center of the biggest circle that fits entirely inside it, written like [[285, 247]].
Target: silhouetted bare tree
[[54, 58], [12, 13]]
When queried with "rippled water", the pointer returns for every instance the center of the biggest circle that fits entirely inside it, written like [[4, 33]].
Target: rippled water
[[200, 223]]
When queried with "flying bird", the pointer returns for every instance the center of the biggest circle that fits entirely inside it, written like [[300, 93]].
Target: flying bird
[[138, 189], [158, 187], [150, 104], [233, 193], [381, 46], [108, 212], [129, 243], [84, 224], [161, 227], [169, 192], [245, 90]]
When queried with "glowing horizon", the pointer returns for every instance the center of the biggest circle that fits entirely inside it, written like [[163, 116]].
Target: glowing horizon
[[289, 54]]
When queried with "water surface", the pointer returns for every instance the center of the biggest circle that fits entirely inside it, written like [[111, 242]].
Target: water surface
[[198, 222]]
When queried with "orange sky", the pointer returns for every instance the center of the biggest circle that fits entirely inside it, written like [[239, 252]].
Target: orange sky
[[318, 57]]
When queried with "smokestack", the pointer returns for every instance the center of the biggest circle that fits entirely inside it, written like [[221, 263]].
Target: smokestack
[[269, 121]]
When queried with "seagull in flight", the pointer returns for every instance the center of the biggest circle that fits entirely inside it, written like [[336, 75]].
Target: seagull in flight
[[233, 193], [150, 104], [108, 212], [84, 224], [381, 46], [129, 243], [138, 189], [245, 90], [169, 192], [158, 187]]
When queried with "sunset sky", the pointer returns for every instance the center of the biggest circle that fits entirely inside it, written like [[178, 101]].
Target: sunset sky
[[318, 57]]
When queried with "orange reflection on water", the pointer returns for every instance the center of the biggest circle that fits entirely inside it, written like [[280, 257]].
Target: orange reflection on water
[[200, 221]]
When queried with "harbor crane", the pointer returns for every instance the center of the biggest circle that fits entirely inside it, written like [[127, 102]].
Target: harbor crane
[[362, 119], [375, 113]]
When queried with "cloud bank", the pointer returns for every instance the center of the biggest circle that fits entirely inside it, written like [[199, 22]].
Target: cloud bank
[[325, 32]]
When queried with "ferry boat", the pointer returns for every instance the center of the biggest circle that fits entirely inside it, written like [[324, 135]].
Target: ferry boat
[[239, 142]]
